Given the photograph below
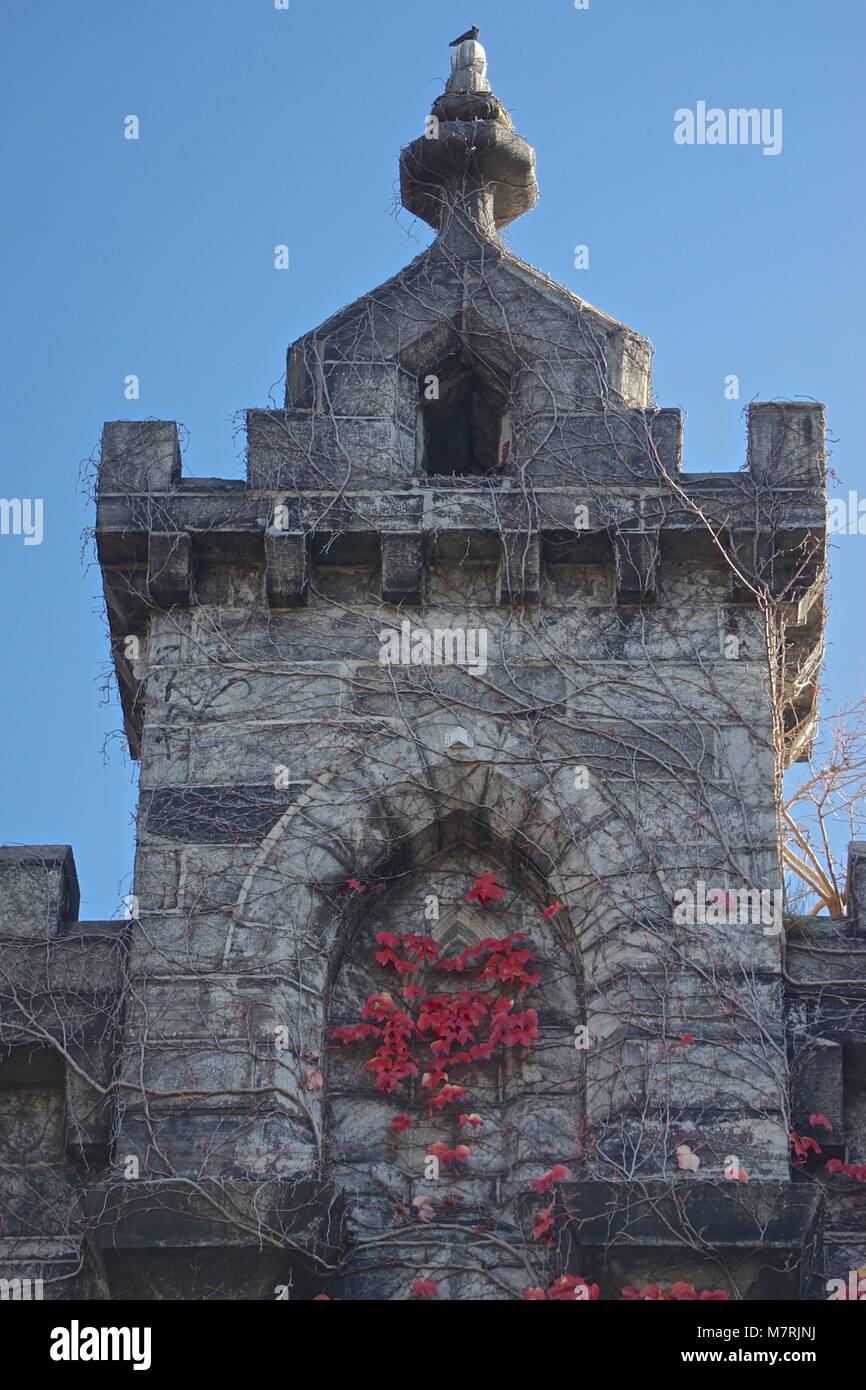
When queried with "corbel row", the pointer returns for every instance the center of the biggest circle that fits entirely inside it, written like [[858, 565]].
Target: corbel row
[[170, 569]]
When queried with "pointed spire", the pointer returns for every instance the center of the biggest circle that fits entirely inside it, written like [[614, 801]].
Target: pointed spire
[[469, 174]]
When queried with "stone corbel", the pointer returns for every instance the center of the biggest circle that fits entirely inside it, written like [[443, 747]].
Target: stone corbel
[[402, 567], [635, 559], [519, 567], [286, 568], [169, 568]]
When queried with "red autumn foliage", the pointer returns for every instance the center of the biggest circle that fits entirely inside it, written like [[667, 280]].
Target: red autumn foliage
[[466, 1027], [460, 1154], [802, 1145], [433, 1078], [544, 1220], [448, 1096], [571, 1288], [506, 965], [428, 1035], [351, 1035], [820, 1121], [857, 1171], [420, 947], [543, 1223], [425, 1289], [558, 1173], [678, 1293], [458, 1029], [385, 938], [390, 1072], [485, 890], [403, 967]]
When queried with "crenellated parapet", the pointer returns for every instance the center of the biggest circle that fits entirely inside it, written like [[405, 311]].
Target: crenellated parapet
[[320, 493]]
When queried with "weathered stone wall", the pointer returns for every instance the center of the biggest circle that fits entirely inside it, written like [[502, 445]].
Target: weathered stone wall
[[639, 659], [615, 743], [281, 759]]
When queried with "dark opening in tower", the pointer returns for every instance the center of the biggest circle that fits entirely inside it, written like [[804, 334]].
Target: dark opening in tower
[[464, 421]]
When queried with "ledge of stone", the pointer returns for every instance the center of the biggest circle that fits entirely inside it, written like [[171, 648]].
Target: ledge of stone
[[723, 1216]]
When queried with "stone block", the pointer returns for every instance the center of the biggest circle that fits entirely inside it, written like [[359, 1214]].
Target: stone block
[[579, 448], [213, 815], [786, 444], [293, 450], [369, 390], [38, 890], [139, 456]]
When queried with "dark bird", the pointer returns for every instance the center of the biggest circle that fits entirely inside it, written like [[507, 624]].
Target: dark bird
[[470, 34]]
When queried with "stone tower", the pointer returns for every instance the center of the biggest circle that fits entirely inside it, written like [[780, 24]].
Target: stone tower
[[456, 960]]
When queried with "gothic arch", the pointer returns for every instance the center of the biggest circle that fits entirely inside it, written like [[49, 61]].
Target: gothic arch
[[294, 915], [530, 1098]]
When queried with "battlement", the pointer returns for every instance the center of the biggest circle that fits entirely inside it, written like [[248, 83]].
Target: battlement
[[612, 495]]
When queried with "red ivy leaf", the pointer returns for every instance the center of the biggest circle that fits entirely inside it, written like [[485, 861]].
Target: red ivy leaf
[[425, 1289], [485, 890], [820, 1120]]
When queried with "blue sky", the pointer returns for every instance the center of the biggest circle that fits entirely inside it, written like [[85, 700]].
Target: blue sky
[[261, 126]]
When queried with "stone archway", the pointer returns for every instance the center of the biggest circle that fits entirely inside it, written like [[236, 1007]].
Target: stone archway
[[296, 918]]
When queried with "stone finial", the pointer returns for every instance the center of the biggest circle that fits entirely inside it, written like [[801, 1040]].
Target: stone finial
[[468, 68], [469, 174]]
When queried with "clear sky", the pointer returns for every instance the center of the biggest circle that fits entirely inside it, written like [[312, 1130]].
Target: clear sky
[[261, 126]]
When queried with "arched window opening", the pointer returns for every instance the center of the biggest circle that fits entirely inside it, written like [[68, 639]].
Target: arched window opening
[[511, 1090], [464, 420]]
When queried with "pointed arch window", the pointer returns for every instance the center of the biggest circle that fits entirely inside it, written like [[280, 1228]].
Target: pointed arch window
[[464, 422]]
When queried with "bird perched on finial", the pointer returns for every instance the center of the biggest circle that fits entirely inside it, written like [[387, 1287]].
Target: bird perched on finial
[[470, 34]]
